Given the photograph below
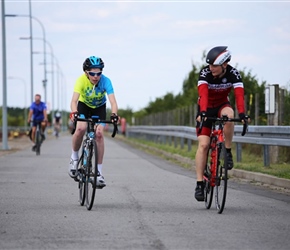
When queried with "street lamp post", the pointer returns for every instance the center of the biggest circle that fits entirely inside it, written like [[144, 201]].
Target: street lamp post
[[25, 98], [52, 67], [31, 52], [4, 105]]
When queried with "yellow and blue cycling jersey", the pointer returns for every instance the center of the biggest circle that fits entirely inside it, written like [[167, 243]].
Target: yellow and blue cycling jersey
[[93, 96]]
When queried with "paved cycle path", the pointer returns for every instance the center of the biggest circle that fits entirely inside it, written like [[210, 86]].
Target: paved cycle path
[[148, 204]]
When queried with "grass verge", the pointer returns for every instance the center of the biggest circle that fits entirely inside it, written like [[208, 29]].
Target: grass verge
[[252, 160]]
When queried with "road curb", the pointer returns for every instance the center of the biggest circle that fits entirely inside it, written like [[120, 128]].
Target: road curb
[[259, 177], [242, 174]]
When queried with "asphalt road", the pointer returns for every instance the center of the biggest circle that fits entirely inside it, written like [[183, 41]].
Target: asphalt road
[[148, 204]]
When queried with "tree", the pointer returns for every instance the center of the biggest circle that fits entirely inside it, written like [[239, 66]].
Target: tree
[[189, 95]]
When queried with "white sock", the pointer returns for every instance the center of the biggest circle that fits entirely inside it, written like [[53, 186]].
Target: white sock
[[100, 166], [75, 155]]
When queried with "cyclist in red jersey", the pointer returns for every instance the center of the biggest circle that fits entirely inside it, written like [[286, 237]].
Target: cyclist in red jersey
[[215, 82]]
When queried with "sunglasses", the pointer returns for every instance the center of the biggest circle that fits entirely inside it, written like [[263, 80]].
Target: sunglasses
[[94, 73]]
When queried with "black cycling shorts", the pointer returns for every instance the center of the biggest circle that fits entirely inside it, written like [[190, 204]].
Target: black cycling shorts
[[211, 112], [87, 111]]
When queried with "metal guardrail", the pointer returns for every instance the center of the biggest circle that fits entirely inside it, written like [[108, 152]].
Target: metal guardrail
[[261, 135]]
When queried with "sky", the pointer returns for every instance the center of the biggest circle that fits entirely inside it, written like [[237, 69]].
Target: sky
[[148, 47]]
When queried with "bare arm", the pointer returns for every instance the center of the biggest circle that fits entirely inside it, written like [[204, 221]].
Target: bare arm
[[45, 115], [29, 115], [113, 102], [74, 102]]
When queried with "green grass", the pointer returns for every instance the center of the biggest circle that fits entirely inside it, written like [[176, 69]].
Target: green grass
[[252, 157]]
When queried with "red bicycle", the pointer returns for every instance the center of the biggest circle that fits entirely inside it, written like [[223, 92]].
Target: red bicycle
[[216, 171]]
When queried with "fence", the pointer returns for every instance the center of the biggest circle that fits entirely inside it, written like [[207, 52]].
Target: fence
[[261, 135]]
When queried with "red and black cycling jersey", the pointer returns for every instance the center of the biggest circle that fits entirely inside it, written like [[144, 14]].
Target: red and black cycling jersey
[[214, 91]]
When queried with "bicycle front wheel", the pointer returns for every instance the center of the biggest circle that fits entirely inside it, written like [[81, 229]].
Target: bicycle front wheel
[[91, 174], [221, 179], [208, 188], [81, 179], [37, 142]]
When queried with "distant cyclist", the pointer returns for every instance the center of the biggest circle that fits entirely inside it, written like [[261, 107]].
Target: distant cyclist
[[57, 123], [37, 114], [89, 98]]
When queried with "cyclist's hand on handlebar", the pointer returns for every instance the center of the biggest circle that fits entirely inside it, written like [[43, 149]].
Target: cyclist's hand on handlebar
[[201, 116], [244, 118], [114, 118], [73, 116]]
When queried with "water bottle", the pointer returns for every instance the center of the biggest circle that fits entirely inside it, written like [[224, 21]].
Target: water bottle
[[85, 156], [92, 135]]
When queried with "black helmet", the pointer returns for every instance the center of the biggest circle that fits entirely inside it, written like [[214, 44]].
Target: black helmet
[[218, 55], [93, 62]]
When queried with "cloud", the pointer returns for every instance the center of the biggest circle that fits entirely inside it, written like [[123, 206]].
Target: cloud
[[148, 48]]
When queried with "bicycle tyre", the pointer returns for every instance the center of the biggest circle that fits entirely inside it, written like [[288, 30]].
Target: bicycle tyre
[[91, 174], [221, 179], [208, 183], [37, 142], [208, 188], [81, 179]]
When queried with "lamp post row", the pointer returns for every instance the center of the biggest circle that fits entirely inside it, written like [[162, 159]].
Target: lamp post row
[[4, 106], [31, 53]]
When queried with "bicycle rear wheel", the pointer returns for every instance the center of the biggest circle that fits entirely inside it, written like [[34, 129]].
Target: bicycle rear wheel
[[91, 174], [81, 179], [37, 142], [221, 179]]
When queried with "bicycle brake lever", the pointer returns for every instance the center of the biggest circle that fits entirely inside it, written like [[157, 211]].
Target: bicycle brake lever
[[115, 131]]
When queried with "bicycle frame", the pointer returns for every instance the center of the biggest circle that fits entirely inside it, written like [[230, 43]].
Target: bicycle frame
[[217, 138]]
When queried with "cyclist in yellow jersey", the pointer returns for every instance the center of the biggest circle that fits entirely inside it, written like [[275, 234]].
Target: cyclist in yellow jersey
[[89, 98]]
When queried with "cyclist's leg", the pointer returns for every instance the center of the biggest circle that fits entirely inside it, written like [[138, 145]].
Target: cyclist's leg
[[100, 142], [201, 154], [33, 133], [32, 137], [203, 144], [78, 135], [58, 127], [43, 126], [101, 112], [228, 133], [229, 126], [81, 127], [100, 149], [77, 139], [200, 162]]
